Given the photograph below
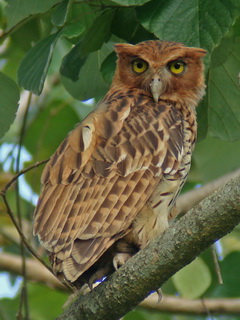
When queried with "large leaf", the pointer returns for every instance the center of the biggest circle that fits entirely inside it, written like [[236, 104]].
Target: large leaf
[[213, 158], [193, 280], [96, 35], [172, 20], [34, 67], [18, 10], [90, 83], [224, 96], [195, 23], [10, 96]]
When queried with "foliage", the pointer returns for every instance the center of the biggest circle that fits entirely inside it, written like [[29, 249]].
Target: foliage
[[62, 50]]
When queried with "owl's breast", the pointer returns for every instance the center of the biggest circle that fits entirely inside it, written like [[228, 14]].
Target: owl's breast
[[171, 164]]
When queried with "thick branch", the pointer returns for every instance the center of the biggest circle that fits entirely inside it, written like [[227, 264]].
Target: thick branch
[[210, 220], [37, 272]]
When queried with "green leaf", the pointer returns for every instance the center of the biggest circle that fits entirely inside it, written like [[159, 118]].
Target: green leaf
[[10, 96], [96, 35], [171, 20], [34, 67], [73, 62], [224, 97], [124, 23], [127, 26], [60, 13], [195, 23], [193, 280], [73, 30], [44, 302], [230, 274], [25, 36], [214, 158], [131, 2], [108, 67], [50, 126], [215, 20], [18, 10], [90, 83]]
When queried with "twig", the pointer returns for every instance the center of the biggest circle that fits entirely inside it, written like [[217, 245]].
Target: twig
[[10, 213], [216, 265], [30, 248], [20, 173], [24, 294]]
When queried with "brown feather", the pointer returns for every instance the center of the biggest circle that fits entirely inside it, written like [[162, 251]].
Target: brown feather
[[111, 185]]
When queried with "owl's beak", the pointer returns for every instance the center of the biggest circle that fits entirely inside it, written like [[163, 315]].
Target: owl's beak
[[156, 87]]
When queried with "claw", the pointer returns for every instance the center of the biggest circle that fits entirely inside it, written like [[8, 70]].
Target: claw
[[120, 259]]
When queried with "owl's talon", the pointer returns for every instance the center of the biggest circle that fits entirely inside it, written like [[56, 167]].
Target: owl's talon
[[120, 259]]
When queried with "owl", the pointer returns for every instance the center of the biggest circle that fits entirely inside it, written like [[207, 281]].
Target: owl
[[110, 187]]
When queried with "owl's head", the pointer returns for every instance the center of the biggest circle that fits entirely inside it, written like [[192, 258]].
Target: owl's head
[[161, 69]]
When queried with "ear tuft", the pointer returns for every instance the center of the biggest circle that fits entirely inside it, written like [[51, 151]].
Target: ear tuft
[[198, 52], [123, 48]]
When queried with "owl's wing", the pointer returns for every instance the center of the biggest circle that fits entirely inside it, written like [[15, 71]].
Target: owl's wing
[[99, 179]]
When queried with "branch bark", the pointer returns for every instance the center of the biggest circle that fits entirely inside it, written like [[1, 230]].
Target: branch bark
[[210, 220]]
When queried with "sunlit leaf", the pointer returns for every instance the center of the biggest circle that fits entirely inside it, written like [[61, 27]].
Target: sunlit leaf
[[193, 280], [34, 67], [10, 96]]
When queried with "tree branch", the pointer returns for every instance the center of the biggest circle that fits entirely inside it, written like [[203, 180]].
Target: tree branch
[[192, 307], [210, 220], [188, 200], [34, 269]]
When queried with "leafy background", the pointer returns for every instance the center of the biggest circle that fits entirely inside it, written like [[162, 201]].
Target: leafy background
[[57, 54]]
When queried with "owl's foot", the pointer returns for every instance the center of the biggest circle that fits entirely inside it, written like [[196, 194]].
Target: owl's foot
[[120, 259]]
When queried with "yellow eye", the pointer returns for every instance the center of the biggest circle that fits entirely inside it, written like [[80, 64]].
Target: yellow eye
[[139, 65], [177, 67]]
